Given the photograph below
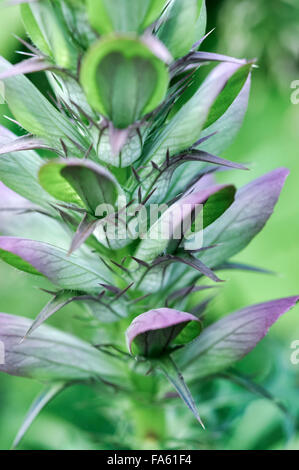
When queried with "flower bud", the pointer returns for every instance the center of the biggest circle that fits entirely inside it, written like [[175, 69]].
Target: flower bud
[[151, 333]]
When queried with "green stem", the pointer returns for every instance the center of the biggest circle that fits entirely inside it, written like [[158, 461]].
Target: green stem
[[149, 424]]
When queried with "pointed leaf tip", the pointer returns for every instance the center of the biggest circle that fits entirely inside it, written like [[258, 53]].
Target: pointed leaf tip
[[175, 377], [228, 340]]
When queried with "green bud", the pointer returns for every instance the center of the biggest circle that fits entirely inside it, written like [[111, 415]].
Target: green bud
[[123, 79]]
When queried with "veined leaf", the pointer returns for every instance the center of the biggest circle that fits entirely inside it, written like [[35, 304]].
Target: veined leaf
[[36, 114], [130, 152], [224, 129], [254, 204], [228, 125], [19, 217], [228, 340], [162, 232], [33, 29], [53, 356], [244, 219], [183, 130], [68, 272], [19, 170], [179, 25], [228, 95], [123, 79], [45, 25]]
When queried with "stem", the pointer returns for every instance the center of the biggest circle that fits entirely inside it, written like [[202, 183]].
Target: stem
[[149, 424]]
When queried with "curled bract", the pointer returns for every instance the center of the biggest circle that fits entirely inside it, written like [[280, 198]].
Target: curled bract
[[151, 333], [123, 79]]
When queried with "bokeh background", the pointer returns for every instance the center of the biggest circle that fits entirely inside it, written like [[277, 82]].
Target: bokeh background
[[78, 419]]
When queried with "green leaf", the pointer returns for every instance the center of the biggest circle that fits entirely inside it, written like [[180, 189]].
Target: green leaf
[[228, 340], [172, 373], [84, 230], [166, 232], [229, 124], [69, 272], [228, 95], [34, 112], [123, 79], [184, 129], [19, 172], [49, 392], [17, 262], [19, 217], [45, 25], [179, 25], [106, 310], [80, 182], [33, 29], [241, 222], [54, 356], [201, 23], [243, 381], [60, 300], [254, 203], [217, 204], [225, 128], [106, 16], [129, 153]]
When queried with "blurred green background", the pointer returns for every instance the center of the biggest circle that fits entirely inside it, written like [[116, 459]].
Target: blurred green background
[[78, 419]]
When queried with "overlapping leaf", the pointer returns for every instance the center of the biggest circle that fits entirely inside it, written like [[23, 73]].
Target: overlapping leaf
[[69, 272], [123, 15], [80, 182], [19, 171], [180, 25], [184, 128], [34, 112], [51, 355], [231, 338], [254, 204]]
